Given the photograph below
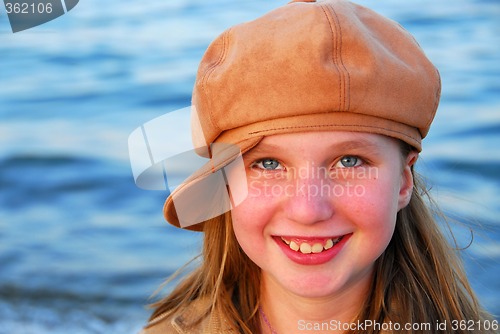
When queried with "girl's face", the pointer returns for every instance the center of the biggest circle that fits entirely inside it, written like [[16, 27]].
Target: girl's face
[[321, 208]]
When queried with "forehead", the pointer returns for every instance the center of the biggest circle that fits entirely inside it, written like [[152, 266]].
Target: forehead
[[326, 141]]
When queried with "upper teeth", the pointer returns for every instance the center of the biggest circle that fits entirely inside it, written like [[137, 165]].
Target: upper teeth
[[306, 248]]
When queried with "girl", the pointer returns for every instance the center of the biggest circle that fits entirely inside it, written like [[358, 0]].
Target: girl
[[328, 229]]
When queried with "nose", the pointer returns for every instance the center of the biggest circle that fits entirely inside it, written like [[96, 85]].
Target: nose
[[310, 202]]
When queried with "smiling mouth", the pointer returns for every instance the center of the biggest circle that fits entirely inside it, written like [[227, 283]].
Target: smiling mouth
[[306, 247]]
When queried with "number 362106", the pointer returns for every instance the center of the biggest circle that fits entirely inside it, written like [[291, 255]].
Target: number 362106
[[26, 8]]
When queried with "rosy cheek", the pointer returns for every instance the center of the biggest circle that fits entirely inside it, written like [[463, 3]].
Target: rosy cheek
[[253, 215], [264, 194], [248, 229], [376, 211]]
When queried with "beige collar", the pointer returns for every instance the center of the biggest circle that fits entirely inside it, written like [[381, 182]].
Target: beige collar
[[183, 321]]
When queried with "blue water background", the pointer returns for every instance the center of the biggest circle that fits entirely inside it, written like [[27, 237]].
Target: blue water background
[[82, 249]]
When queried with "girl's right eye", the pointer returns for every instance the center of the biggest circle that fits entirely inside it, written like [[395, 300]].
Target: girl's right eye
[[268, 164]]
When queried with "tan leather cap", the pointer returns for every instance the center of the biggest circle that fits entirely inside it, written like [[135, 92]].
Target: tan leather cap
[[310, 66]]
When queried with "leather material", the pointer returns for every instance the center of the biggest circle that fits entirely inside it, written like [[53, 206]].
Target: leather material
[[310, 66]]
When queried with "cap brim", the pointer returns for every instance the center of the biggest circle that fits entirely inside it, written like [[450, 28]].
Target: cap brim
[[209, 192]]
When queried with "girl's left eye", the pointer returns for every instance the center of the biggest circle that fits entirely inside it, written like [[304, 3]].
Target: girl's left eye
[[268, 164], [348, 161]]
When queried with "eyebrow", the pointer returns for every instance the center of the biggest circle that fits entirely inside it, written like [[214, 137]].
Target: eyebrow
[[347, 145], [356, 144]]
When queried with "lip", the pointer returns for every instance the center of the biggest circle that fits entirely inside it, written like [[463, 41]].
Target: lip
[[313, 258]]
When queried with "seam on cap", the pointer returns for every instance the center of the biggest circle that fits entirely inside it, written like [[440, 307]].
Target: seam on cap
[[436, 103], [332, 125], [211, 70], [333, 20]]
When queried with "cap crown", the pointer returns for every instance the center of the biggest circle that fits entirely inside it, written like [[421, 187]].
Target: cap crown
[[317, 58]]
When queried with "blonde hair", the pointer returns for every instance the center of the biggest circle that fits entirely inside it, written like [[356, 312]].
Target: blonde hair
[[418, 279]]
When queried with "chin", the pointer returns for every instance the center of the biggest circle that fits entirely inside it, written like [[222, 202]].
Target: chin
[[315, 285]]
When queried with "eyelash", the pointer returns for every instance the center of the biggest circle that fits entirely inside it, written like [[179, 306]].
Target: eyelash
[[359, 161], [261, 161]]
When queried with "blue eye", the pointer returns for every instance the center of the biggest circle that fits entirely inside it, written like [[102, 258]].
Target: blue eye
[[349, 161], [269, 164]]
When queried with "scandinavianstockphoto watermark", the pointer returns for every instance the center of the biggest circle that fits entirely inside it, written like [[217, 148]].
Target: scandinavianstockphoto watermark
[[306, 190], [311, 171], [26, 14], [311, 182]]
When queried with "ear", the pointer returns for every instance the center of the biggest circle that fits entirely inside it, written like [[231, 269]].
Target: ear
[[406, 185]]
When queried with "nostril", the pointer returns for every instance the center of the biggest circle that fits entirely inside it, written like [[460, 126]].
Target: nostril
[[309, 210]]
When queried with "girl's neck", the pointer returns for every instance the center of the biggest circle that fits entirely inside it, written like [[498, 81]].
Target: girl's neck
[[286, 312]]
